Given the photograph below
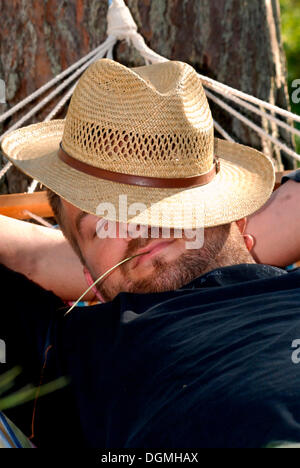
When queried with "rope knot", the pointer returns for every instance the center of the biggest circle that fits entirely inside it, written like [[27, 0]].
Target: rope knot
[[120, 23]]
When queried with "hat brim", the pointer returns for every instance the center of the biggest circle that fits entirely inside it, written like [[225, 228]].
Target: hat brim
[[244, 183]]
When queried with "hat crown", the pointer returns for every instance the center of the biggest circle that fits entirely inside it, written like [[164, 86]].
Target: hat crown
[[147, 121]]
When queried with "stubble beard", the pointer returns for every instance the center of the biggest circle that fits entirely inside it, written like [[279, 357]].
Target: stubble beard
[[218, 250], [165, 276]]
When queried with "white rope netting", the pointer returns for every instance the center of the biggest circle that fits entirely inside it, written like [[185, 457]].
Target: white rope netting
[[121, 26]]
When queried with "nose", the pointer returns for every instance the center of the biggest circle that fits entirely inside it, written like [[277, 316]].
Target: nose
[[119, 230], [129, 231], [132, 231], [138, 230]]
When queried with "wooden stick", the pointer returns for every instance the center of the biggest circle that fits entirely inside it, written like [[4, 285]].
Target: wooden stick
[[15, 205]]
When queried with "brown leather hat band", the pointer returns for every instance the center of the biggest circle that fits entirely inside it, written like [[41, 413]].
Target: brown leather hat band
[[155, 182]]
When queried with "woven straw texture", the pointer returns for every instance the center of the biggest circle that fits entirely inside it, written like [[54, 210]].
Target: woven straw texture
[[151, 121], [128, 122]]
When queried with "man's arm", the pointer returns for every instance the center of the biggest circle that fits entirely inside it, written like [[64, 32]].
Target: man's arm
[[276, 226], [44, 256]]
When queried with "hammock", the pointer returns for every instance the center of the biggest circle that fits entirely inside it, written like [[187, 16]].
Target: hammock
[[121, 26]]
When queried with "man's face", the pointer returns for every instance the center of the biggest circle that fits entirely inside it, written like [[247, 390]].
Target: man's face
[[169, 265]]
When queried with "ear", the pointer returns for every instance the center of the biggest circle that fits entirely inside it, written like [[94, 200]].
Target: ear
[[248, 238], [242, 225]]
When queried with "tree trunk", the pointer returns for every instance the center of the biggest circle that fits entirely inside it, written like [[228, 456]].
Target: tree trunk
[[236, 42]]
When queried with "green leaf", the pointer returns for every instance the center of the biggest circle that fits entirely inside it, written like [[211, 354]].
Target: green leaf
[[29, 393]]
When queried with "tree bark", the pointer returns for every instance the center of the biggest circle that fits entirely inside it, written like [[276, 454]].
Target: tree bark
[[237, 42]]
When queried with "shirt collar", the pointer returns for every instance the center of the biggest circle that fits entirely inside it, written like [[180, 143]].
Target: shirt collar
[[234, 274]]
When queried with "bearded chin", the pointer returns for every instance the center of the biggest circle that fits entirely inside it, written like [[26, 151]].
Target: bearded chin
[[169, 276], [164, 276]]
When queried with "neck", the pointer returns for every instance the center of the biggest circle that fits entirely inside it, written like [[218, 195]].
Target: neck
[[226, 250]]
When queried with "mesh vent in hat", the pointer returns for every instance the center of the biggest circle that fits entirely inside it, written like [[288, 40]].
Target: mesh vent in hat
[[148, 123]]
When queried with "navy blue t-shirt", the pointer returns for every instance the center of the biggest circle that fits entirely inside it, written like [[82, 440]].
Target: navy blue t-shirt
[[209, 365]]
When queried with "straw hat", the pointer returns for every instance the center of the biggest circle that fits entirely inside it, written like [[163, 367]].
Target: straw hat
[[145, 134]]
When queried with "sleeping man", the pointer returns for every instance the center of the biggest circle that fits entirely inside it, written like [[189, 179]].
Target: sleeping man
[[192, 345]]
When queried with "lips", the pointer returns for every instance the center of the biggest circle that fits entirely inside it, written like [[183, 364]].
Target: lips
[[150, 251]]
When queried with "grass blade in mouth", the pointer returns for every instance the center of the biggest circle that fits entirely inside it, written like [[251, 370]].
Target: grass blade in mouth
[[100, 278]]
